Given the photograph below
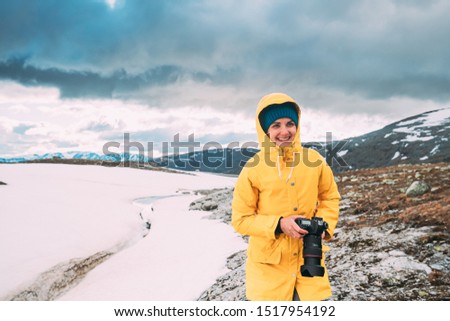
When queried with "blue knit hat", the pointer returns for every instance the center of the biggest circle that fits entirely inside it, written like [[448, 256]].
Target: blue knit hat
[[276, 111]]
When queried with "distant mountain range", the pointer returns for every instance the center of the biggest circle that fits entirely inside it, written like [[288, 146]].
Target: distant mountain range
[[70, 155], [423, 138]]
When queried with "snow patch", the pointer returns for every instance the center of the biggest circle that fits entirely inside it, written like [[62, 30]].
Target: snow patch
[[397, 154], [435, 150], [56, 214], [413, 138]]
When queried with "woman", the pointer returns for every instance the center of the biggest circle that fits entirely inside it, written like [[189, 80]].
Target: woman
[[282, 182]]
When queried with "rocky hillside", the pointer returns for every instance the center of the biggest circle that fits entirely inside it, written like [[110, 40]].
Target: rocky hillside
[[392, 239], [419, 139]]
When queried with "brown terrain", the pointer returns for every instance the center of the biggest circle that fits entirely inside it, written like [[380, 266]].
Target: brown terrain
[[397, 245], [387, 245]]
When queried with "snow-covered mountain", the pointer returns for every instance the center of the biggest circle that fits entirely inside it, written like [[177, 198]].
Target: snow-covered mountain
[[74, 156], [422, 138]]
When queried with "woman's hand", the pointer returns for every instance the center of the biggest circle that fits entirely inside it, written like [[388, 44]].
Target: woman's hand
[[290, 228]]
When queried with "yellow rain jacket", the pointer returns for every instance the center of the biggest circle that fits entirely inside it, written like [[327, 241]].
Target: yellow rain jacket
[[279, 182]]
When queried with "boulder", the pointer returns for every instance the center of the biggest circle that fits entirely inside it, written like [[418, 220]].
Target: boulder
[[209, 206], [417, 188]]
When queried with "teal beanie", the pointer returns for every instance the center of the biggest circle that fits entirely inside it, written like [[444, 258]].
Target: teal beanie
[[277, 111]]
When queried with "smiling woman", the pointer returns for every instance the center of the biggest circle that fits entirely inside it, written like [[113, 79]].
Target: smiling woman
[[282, 131], [268, 198], [280, 122]]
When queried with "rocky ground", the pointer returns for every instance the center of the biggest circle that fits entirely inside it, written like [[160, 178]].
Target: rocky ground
[[392, 239]]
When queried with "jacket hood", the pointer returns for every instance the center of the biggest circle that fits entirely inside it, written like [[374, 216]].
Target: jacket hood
[[270, 99]]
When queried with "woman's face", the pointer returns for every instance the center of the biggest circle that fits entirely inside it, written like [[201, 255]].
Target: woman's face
[[282, 131]]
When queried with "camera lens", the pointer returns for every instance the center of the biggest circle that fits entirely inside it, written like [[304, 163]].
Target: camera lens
[[312, 255]]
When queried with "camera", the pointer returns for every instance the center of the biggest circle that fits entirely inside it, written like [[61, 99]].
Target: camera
[[312, 245]]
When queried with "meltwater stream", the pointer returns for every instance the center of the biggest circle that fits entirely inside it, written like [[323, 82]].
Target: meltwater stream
[[149, 200], [51, 284], [146, 202]]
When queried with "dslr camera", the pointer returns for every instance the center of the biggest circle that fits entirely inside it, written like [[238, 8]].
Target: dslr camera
[[312, 245]]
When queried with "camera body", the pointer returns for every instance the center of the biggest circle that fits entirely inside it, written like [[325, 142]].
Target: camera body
[[312, 245]]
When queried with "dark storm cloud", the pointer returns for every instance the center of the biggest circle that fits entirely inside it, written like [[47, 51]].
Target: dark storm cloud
[[73, 83], [375, 49], [86, 34], [86, 84], [379, 49]]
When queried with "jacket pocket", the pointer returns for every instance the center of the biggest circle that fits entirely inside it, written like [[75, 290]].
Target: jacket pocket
[[264, 250]]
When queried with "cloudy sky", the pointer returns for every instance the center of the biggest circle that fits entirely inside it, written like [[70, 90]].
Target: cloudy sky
[[75, 74]]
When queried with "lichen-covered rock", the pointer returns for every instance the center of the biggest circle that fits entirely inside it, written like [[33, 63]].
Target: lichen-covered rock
[[231, 286], [417, 188], [209, 206]]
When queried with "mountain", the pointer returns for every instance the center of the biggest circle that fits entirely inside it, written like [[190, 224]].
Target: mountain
[[422, 138], [87, 156], [223, 161]]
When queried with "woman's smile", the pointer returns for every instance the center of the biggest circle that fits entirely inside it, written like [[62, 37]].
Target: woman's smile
[[282, 131]]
